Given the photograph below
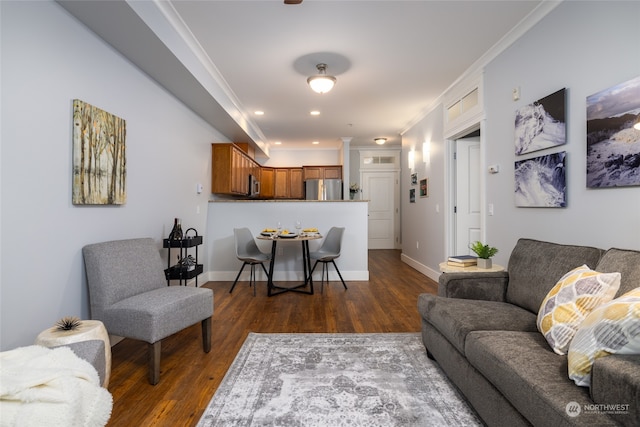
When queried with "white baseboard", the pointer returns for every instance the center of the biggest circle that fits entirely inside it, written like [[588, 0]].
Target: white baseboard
[[281, 276], [427, 271]]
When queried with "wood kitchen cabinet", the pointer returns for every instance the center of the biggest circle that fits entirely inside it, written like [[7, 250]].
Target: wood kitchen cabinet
[[333, 172], [232, 164], [322, 172], [296, 190], [267, 183], [288, 183], [230, 170]]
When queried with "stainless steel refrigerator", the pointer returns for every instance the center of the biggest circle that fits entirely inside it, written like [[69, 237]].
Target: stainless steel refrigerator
[[323, 189]]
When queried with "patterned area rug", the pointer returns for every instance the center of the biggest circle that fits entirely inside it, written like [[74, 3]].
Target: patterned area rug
[[332, 380]]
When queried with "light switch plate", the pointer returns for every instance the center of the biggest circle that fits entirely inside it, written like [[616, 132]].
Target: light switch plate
[[515, 93]]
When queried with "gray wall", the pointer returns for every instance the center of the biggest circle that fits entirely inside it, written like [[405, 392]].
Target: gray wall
[[583, 46], [49, 59], [423, 222]]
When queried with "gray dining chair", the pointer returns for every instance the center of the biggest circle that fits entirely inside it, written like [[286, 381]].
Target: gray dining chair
[[128, 292], [248, 252], [327, 253]]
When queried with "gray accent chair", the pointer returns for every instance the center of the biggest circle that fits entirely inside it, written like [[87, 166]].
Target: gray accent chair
[[327, 253], [129, 294]]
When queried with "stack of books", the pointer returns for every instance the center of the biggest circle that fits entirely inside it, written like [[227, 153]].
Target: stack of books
[[462, 261]]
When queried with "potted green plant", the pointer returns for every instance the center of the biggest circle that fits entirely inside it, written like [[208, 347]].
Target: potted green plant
[[484, 252]]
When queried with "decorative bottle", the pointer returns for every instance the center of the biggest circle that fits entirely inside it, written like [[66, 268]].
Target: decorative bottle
[[176, 232]]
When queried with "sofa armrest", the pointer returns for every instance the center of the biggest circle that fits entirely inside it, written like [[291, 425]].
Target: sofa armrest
[[615, 381], [491, 286]]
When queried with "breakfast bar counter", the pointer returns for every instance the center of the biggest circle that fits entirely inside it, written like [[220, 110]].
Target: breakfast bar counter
[[225, 215]]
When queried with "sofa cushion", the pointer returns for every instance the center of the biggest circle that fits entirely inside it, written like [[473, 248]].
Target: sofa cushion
[[616, 381], [613, 328], [575, 295], [535, 267], [627, 262], [455, 318], [531, 377]]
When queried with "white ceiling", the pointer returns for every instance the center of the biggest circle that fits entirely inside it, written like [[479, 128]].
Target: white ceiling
[[392, 59]]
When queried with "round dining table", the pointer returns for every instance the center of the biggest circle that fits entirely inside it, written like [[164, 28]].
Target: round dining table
[[303, 238]]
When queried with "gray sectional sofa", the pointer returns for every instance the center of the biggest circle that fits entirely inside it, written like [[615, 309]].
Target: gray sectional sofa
[[481, 330]]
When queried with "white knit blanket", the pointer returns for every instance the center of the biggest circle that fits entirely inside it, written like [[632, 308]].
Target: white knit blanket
[[50, 387]]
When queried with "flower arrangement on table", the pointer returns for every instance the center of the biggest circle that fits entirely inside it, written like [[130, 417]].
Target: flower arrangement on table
[[354, 188]]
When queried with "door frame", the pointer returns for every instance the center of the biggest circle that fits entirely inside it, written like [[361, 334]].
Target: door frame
[[450, 184]]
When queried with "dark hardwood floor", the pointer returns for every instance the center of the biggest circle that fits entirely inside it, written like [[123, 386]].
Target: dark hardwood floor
[[189, 377]]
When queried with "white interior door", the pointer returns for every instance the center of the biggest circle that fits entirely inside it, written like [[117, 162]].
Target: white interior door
[[467, 211], [379, 189]]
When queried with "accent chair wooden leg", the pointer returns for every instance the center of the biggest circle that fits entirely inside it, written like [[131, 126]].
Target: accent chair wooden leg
[[154, 362], [206, 334]]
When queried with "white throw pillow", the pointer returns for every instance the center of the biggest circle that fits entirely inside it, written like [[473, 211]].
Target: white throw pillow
[[613, 328], [574, 296]]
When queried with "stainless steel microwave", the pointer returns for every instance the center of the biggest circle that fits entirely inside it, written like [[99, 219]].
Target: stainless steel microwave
[[254, 186]]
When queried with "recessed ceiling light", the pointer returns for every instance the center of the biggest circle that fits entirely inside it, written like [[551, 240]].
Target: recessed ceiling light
[[315, 113], [316, 142], [278, 142], [259, 113]]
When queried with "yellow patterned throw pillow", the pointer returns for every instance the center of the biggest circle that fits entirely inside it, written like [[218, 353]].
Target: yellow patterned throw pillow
[[613, 328], [574, 296]]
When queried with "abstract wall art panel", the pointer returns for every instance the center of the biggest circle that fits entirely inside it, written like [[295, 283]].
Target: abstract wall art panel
[[541, 182], [613, 136], [99, 161], [542, 124]]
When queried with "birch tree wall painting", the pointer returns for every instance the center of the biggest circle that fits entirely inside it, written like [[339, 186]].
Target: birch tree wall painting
[[541, 124], [613, 136], [99, 161], [541, 181]]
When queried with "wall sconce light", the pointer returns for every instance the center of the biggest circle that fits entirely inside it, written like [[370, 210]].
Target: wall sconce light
[[411, 158], [426, 150]]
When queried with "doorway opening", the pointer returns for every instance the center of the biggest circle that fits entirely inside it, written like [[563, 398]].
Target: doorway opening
[[466, 191], [379, 172]]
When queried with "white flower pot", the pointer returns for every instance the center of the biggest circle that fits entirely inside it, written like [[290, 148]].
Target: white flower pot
[[484, 263]]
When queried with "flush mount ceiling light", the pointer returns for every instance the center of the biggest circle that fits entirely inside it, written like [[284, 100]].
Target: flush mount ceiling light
[[321, 82], [380, 141]]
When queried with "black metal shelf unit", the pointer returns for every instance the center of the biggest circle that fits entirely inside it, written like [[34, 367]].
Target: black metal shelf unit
[[178, 272]]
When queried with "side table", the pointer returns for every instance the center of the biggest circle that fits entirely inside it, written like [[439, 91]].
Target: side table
[[88, 330], [446, 268]]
